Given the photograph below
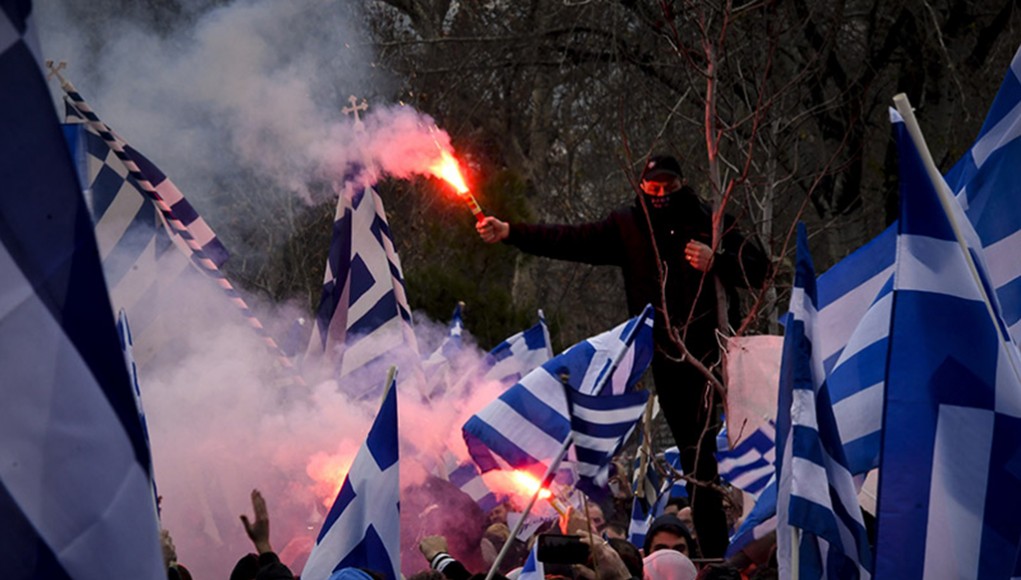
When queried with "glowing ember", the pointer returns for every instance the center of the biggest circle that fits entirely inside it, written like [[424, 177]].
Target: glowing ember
[[530, 483], [448, 170]]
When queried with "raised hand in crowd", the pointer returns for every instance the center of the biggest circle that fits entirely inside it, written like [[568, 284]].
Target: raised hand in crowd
[[258, 529]]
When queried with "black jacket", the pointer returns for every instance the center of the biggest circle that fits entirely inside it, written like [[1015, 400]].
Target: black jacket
[[622, 239]]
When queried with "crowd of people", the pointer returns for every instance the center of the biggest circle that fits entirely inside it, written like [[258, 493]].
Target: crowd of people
[[670, 552], [678, 255]]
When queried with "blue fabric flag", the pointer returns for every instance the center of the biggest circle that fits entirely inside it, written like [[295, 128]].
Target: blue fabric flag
[[533, 568], [949, 493], [587, 391], [362, 528], [817, 503], [363, 320], [74, 481], [749, 465], [519, 355]]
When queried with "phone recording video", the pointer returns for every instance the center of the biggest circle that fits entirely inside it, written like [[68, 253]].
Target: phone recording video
[[560, 549]]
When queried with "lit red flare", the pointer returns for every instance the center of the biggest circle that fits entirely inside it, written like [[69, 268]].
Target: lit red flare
[[448, 170], [530, 484]]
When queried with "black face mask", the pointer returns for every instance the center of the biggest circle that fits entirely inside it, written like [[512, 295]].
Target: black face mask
[[658, 201]]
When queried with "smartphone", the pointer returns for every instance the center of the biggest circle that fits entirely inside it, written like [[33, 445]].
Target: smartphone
[[560, 549]]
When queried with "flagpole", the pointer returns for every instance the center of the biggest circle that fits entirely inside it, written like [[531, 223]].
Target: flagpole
[[903, 106], [199, 255], [531, 502]]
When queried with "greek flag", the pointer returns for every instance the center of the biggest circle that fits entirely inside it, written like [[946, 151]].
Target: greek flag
[[74, 481], [749, 464], [127, 348], [467, 478], [518, 355], [573, 394], [362, 529], [438, 367], [363, 316], [817, 503], [949, 494], [136, 244], [759, 523], [650, 496]]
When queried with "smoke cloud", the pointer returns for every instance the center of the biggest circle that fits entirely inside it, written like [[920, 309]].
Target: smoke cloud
[[212, 92]]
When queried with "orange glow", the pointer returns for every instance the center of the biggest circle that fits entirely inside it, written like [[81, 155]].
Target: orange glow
[[448, 170], [328, 473], [530, 483]]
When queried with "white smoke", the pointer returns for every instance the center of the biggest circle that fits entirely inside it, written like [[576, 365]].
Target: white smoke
[[249, 88]]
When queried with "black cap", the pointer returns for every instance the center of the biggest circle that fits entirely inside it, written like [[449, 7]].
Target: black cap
[[661, 167], [666, 523]]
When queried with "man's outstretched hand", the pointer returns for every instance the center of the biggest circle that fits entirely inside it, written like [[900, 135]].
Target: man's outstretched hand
[[492, 230], [258, 530]]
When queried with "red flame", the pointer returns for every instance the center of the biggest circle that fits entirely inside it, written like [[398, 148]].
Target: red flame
[[530, 483], [447, 169]]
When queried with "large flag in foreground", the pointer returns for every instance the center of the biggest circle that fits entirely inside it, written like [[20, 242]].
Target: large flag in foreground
[[362, 529], [949, 494], [586, 392], [75, 496], [363, 320], [820, 530]]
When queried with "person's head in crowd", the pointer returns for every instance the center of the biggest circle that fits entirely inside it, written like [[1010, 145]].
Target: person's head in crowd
[[630, 555], [668, 565], [719, 571], [614, 531], [497, 515], [596, 517], [667, 532], [675, 504]]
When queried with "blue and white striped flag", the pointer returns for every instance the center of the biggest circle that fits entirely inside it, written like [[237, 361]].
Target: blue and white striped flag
[[528, 424], [817, 503], [533, 568], [759, 523], [519, 355], [127, 348], [74, 481], [949, 493], [749, 465], [467, 478], [362, 529], [363, 320]]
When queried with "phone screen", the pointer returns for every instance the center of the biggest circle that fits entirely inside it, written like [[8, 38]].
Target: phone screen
[[559, 549]]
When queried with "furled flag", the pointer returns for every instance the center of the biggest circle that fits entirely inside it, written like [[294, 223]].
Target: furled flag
[[949, 494], [438, 368], [363, 320], [75, 496], [817, 503], [127, 347], [650, 495], [362, 528], [585, 393]]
